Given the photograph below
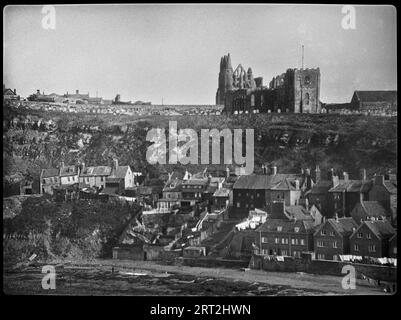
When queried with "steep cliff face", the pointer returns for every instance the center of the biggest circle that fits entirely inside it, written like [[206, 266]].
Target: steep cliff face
[[34, 140]]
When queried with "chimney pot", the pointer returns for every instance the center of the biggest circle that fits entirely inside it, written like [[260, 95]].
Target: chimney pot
[[363, 174], [274, 170]]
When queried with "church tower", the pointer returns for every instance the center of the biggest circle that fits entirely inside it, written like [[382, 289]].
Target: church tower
[[225, 79]]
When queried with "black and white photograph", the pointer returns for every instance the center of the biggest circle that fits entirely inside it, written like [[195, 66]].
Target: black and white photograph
[[213, 150]]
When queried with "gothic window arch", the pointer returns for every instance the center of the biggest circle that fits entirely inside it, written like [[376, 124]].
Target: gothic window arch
[[307, 98]]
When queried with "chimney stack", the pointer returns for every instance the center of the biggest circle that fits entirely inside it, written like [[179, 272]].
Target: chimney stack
[[77, 91], [346, 177], [297, 184], [15, 91], [379, 180], [227, 172], [363, 174], [274, 170], [115, 164], [307, 172], [317, 174], [61, 164], [330, 174], [335, 181], [38, 92]]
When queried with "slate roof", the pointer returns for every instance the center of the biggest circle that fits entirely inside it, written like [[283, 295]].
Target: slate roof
[[374, 209], [121, 172], [322, 186], [52, 172], [287, 226], [173, 186], [381, 228], [68, 171], [264, 182], [343, 226], [222, 192], [96, 171], [297, 212], [377, 95], [391, 186]]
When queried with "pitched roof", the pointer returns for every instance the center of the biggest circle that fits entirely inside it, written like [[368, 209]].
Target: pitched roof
[[96, 171], [377, 95], [173, 186], [322, 186], [271, 225], [222, 192], [68, 171], [343, 226], [374, 209], [52, 172], [381, 228], [342, 186], [263, 182], [391, 186], [297, 212], [121, 171]]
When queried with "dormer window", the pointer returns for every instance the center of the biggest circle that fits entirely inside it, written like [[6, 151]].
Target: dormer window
[[279, 228], [323, 232]]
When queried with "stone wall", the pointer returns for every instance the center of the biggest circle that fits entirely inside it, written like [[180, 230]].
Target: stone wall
[[325, 267]]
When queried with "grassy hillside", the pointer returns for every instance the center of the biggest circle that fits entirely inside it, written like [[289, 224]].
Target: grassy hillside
[[290, 141]]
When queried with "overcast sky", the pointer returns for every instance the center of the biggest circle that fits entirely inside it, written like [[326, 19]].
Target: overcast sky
[[146, 52]]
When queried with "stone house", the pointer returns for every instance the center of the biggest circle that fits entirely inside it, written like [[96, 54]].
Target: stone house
[[49, 178], [372, 239], [69, 175], [94, 176], [365, 210], [332, 238], [384, 190]]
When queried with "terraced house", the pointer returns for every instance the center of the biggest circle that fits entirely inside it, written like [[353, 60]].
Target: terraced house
[[332, 238], [260, 191], [372, 239], [94, 176], [289, 235], [49, 178]]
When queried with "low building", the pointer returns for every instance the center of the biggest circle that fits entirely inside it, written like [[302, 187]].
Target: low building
[[69, 175], [49, 178], [331, 238], [221, 198], [372, 239], [194, 252], [9, 94], [95, 176], [374, 100], [192, 191]]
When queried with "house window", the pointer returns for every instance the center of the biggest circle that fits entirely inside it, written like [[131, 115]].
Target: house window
[[282, 240], [238, 204], [284, 252], [356, 247], [323, 232], [360, 234], [302, 242], [372, 248], [279, 228], [239, 194], [320, 256], [264, 239], [332, 233], [320, 244], [292, 241], [265, 251], [276, 240], [369, 236], [257, 195], [335, 244]]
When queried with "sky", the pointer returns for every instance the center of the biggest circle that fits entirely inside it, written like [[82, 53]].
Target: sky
[[172, 52]]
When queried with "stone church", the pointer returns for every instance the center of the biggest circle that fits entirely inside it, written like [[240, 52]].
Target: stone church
[[296, 90]]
